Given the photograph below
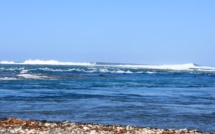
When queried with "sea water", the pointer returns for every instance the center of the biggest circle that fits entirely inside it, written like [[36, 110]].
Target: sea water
[[158, 96]]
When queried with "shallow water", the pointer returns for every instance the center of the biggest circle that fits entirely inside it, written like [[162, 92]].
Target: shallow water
[[110, 95]]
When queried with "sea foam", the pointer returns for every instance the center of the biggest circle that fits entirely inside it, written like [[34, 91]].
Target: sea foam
[[8, 78], [32, 76], [7, 62], [164, 67], [47, 62], [177, 67]]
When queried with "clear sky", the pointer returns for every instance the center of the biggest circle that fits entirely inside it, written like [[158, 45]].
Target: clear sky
[[126, 31]]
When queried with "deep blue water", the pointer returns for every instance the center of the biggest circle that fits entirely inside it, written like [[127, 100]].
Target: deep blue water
[[110, 95]]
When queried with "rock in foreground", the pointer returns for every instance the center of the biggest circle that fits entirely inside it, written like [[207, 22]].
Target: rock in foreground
[[17, 126]]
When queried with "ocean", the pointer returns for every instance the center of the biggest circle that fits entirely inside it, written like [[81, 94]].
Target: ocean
[[157, 96]]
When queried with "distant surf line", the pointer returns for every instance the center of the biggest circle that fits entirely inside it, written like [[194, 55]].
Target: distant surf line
[[180, 67]]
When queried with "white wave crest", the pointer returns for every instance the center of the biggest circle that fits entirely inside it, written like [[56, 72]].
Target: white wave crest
[[8, 78], [122, 72], [48, 62], [24, 71], [32, 76], [106, 70], [7, 62], [177, 67], [11, 68], [163, 67], [150, 72], [53, 62]]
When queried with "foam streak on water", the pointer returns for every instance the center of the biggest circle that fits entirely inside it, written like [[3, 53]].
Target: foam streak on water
[[161, 96]]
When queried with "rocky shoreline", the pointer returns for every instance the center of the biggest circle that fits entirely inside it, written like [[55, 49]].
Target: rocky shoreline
[[18, 126]]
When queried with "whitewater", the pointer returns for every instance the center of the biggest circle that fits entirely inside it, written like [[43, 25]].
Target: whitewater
[[187, 66], [160, 96]]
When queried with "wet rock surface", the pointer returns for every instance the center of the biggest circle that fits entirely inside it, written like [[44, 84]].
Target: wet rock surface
[[18, 126]]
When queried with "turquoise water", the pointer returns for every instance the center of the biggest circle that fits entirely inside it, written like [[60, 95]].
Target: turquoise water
[[109, 94]]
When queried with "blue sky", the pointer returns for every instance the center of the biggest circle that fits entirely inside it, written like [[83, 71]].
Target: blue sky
[[127, 31]]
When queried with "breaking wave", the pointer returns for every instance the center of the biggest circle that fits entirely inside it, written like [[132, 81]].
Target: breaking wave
[[177, 67], [7, 62], [7, 78], [47, 62], [164, 67], [32, 76]]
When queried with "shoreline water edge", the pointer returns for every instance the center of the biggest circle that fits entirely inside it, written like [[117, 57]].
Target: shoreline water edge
[[18, 126]]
